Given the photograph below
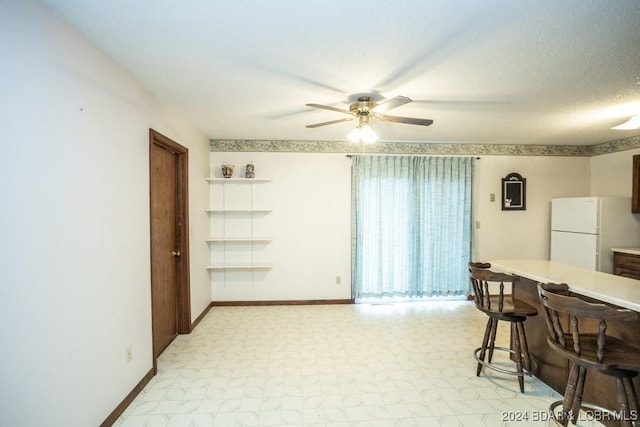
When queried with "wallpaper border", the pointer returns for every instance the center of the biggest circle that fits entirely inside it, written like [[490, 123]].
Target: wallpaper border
[[290, 146]]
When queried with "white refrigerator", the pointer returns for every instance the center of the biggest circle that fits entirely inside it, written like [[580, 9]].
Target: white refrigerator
[[584, 229]]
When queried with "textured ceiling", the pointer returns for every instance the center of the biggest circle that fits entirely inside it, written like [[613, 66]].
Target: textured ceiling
[[499, 72]]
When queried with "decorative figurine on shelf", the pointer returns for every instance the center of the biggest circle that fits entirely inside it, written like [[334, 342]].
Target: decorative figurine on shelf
[[227, 171], [250, 171]]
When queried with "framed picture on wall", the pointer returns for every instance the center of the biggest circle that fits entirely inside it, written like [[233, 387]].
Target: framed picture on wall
[[514, 192]]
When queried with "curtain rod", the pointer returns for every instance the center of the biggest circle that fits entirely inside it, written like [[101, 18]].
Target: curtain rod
[[351, 155]]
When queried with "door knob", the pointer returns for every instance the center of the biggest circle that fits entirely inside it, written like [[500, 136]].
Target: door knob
[[176, 252]]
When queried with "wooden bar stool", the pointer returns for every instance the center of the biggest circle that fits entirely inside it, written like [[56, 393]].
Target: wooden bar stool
[[489, 297], [565, 316]]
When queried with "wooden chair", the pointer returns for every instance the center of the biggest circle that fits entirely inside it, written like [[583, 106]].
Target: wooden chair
[[597, 350], [489, 297]]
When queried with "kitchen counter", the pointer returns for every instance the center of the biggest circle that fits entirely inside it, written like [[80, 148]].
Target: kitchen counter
[[630, 251], [616, 290], [626, 262]]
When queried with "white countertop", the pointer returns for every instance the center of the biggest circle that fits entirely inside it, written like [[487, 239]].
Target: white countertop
[[631, 251], [617, 290]]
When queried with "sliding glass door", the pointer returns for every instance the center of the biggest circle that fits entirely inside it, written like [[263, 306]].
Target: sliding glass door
[[412, 225]]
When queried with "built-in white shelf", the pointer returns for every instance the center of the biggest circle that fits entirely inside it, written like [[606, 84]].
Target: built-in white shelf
[[239, 239], [238, 210], [240, 267], [237, 213], [239, 180]]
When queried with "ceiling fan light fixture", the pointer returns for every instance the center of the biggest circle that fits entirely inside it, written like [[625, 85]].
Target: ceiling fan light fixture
[[367, 134], [364, 109], [632, 123], [364, 134], [354, 135]]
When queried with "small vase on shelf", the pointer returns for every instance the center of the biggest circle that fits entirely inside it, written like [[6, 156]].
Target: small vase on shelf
[[227, 171], [250, 171]]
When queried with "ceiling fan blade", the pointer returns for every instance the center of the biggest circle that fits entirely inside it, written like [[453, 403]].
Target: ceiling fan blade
[[391, 103], [330, 123], [327, 107], [406, 120]]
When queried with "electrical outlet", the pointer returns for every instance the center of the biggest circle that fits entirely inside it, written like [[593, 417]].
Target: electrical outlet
[[338, 280], [492, 197], [129, 354]]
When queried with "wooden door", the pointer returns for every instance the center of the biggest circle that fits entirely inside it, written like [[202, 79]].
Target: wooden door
[[169, 241]]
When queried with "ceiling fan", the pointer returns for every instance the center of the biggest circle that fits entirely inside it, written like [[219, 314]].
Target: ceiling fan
[[365, 108]]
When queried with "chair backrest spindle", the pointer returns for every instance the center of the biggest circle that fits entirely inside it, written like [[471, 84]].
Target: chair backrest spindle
[[602, 329], [576, 335]]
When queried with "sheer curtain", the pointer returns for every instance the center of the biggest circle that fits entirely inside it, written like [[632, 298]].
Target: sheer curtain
[[411, 225]]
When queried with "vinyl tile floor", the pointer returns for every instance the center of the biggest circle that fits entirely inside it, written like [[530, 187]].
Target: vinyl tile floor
[[379, 365]]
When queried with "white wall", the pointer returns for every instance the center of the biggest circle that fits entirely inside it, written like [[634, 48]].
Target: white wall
[[310, 226], [523, 234], [312, 218], [611, 174], [74, 275]]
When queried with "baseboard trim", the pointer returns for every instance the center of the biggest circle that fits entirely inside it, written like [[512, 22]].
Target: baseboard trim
[[113, 416], [199, 318], [283, 302]]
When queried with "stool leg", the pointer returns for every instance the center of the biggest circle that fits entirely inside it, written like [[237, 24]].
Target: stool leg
[[577, 400], [525, 348], [569, 395], [485, 340], [518, 354], [633, 400], [623, 402], [492, 340]]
